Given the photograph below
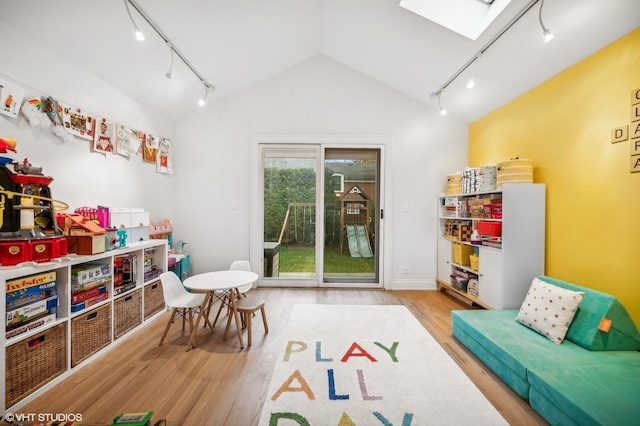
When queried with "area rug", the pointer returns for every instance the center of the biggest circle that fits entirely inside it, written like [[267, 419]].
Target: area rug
[[368, 365]]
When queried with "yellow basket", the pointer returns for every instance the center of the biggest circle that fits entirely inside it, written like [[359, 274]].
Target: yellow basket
[[475, 261]]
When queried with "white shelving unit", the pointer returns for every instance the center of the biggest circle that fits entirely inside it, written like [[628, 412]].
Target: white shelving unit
[[504, 273], [124, 312]]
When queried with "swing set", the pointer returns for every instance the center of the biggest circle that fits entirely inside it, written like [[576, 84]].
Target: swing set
[[353, 225]]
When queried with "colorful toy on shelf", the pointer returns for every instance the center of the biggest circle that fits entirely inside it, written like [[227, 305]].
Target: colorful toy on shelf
[[122, 237], [84, 235], [7, 144], [28, 229]]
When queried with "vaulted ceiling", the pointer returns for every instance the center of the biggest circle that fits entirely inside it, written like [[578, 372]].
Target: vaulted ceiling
[[234, 44]]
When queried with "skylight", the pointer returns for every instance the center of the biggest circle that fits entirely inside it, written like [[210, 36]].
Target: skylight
[[466, 17]]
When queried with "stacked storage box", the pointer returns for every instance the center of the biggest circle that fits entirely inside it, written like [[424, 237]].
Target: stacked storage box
[[32, 302], [89, 285], [479, 179], [517, 170], [454, 184]]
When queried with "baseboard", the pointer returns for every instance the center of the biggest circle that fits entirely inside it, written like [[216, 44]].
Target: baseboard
[[429, 284]]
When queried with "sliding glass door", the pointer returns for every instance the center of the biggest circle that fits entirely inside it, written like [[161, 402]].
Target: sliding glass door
[[350, 215], [320, 215]]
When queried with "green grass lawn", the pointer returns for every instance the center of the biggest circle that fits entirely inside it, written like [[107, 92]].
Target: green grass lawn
[[296, 258]]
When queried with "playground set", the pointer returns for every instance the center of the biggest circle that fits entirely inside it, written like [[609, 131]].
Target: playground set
[[353, 229]]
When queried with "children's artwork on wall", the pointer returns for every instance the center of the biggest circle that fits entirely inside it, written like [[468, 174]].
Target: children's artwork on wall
[[10, 98], [104, 139], [163, 156], [51, 108], [128, 141], [150, 148], [76, 123]]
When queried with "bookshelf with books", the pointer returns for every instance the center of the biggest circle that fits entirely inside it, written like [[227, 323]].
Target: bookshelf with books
[[45, 304]]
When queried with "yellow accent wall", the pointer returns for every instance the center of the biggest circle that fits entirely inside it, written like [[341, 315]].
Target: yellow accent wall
[[593, 200]]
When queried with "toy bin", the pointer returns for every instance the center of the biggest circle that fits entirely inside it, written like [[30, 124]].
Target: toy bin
[[33, 362], [461, 253], [459, 283], [492, 229], [127, 313], [90, 332], [153, 299], [474, 259]]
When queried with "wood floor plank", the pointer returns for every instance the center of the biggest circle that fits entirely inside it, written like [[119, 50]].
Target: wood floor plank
[[217, 383]]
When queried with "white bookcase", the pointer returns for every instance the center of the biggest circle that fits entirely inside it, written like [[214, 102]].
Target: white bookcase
[[120, 314], [504, 271]]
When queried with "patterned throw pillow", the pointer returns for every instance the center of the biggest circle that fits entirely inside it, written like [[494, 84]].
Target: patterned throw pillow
[[549, 309]]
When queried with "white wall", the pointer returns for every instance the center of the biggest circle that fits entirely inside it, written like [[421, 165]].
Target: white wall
[[212, 151], [81, 177], [317, 97]]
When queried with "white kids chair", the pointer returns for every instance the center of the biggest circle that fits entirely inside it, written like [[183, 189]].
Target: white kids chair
[[184, 304]]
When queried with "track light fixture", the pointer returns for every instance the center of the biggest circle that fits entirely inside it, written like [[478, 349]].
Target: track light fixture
[[208, 86], [442, 110], [545, 31], [168, 74], [524, 10], [138, 33]]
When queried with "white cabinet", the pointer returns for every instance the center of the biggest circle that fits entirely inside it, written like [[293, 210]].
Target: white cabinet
[[56, 343], [506, 262]]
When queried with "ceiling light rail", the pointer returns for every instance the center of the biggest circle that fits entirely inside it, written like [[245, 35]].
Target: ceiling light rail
[[437, 94], [208, 86]]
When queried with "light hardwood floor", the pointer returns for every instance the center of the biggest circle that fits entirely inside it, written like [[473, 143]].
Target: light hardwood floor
[[217, 383]]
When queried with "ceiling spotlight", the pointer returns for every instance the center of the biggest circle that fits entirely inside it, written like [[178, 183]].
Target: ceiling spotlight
[[545, 31], [442, 110], [168, 74], [139, 35], [471, 83], [207, 87]]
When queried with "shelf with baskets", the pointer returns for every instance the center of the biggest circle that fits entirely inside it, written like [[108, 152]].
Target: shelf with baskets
[[63, 313], [491, 244]]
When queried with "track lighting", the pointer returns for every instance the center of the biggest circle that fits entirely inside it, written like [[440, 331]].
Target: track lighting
[[471, 83], [168, 74], [208, 87], [545, 31], [139, 34]]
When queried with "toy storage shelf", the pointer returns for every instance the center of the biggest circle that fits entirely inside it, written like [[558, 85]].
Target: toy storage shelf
[[505, 265], [81, 334]]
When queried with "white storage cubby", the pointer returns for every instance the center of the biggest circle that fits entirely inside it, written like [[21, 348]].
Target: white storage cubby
[[506, 265], [117, 321]]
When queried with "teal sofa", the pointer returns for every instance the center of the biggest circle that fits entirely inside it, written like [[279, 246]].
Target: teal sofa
[[591, 378]]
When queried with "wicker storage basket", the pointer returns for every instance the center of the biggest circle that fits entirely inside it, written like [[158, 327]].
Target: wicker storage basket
[[517, 170], [153, 299], [127, 313], [90, 332], [34, 361]]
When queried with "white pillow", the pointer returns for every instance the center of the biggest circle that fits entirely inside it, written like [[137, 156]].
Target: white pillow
[[549, 309]]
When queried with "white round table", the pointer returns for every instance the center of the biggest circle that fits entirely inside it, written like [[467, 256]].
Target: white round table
[[209, 283]]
